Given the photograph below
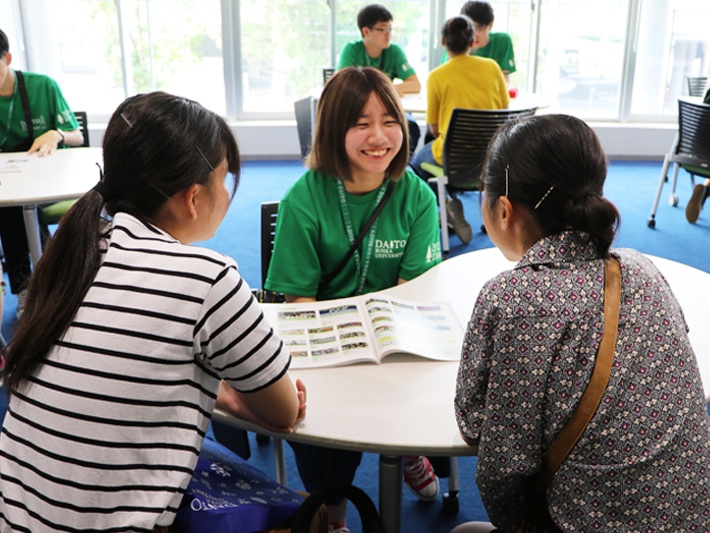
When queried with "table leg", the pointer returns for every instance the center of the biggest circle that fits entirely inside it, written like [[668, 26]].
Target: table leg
[[29, 212], [280, 461], [391, 492]]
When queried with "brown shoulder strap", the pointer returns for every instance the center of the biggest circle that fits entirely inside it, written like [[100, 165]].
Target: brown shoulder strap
[[592, 396]]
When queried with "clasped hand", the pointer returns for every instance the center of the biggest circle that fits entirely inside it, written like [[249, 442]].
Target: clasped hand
[[235, 402]]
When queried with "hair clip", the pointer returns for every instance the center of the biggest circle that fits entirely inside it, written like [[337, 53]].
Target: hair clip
[[126, 120], [506, 180], [205, 159], [543, 198]]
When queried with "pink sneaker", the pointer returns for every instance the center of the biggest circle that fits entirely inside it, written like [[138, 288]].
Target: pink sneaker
[[421, 480]]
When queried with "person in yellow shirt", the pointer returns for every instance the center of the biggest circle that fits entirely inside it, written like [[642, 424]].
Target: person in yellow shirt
[[464, 81]]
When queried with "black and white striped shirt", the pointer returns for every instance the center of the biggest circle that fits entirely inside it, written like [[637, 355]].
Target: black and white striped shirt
[[106, 434]]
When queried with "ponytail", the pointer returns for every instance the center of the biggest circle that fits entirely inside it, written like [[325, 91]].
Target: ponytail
[[57, 287]]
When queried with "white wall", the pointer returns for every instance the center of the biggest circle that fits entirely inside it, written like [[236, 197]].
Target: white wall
[[260, 140], [279, 140]]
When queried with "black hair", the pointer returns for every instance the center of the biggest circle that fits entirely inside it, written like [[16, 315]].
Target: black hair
[[554, 166], [4, 44], [458, 33], [155, 145], [371, 15], [479, 12]]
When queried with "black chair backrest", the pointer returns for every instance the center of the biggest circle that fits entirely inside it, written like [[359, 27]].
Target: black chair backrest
[[327, 74], [269, 211], [467, 138], [696, 85], [305, 109], [693, 147], [83, 126]]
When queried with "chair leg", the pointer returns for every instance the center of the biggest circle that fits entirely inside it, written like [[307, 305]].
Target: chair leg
[[664, 173]]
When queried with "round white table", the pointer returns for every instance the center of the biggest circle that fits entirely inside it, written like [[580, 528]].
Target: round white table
[[404, 406], [64, 175]]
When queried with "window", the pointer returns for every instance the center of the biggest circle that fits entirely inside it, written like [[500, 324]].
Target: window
[[673, 43], [284, 49], [581, 55], [597, 59]]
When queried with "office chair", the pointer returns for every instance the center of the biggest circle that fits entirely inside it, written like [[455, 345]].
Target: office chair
[[467, 138], [305, 109], [696, 85], [690, 150], [327, 74], [52, 213], [269, 211]]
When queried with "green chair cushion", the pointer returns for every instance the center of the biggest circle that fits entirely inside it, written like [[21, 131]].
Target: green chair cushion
[[54, 212], [434, 170]]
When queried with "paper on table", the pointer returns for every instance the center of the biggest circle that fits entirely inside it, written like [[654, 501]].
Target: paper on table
[[16, 163]]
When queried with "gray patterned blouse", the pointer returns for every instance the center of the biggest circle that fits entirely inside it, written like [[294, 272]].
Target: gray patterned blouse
[[643, 463]]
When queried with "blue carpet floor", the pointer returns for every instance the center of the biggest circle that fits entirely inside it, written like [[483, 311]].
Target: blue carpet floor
[[630, 185]]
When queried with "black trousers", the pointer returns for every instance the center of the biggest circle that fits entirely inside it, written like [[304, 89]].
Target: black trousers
[[319, 466], [16, 248]]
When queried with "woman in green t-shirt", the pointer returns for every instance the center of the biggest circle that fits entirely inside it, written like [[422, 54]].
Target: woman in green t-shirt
[[359, 152]]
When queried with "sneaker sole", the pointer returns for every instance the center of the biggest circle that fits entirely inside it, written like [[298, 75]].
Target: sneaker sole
[[695, 204], [460, 225]]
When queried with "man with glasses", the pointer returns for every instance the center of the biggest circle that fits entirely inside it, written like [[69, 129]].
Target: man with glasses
[[375, 49]]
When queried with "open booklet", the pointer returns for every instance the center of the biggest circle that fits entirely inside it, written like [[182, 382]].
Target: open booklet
[[366, 328]]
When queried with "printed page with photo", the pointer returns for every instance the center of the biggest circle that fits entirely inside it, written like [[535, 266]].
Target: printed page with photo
[[366, 329]]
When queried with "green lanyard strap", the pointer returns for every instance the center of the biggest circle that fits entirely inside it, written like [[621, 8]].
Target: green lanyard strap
[[383, 195]]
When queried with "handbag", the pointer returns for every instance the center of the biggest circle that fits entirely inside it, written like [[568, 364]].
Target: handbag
[[229, 495], [539, 519]]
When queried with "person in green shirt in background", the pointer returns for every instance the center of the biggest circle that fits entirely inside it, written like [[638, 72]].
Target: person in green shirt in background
[[36, 119], [497, 46], [376, 49]]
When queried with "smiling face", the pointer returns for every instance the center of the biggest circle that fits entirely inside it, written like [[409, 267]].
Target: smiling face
[[373, 142]]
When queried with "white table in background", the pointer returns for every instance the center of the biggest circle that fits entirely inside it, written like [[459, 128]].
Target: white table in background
[[404, 406], [64, 175]]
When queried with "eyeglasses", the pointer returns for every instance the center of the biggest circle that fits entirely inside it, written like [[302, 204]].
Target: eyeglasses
[[388, 31]]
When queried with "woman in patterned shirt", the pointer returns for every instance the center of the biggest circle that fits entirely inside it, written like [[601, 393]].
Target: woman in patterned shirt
[[643, 462]]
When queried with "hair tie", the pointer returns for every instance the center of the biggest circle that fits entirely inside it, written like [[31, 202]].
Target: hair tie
[[104, 190]]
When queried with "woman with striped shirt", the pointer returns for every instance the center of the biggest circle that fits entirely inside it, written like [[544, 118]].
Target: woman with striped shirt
[[130, 336]]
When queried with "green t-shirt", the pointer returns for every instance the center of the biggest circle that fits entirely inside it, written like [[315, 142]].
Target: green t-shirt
[[394, 63], [499, 48], [48, 109], [311, 238]]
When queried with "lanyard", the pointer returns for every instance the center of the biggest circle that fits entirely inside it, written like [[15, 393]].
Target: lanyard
[[10, 109], [361, 267]]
